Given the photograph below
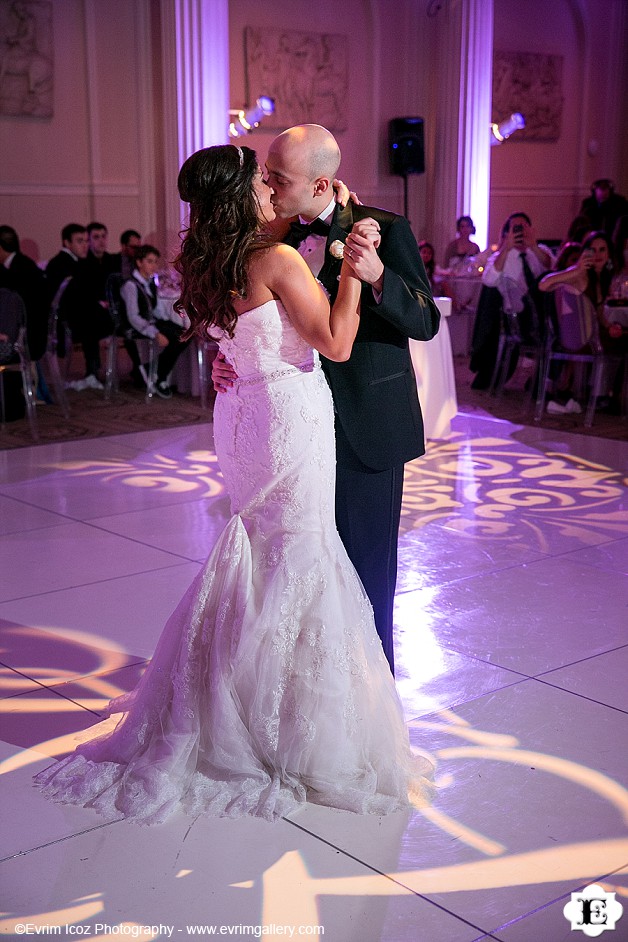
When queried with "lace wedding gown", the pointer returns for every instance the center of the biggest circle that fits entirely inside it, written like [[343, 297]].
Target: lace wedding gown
[[268, 687]]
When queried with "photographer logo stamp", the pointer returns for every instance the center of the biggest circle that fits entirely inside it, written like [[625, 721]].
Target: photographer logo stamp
[[593, 911]]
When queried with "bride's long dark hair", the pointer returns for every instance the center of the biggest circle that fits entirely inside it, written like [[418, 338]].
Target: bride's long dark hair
[[223, 234]]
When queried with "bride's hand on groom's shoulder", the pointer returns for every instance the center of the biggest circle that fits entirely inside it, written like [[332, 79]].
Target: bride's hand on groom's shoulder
[[343, 194], [223, 374]]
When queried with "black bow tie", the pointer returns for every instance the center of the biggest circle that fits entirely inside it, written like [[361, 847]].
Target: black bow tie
[[299, 231]]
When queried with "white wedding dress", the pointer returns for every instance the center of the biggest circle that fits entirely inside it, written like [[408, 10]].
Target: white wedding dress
[[268, 687]]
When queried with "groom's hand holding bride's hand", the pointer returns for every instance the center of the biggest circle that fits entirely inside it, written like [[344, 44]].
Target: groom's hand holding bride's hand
[[361, 252]]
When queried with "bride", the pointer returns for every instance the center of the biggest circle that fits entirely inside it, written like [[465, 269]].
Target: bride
[[268, 687]]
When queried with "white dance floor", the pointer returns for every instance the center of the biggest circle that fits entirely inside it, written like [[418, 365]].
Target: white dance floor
[[512, 647]]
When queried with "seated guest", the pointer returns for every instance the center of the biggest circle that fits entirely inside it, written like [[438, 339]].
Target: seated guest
[[130, 241], [426, 251], [74, 245], [568, 255], [604, 207], [619, 284], [12, 319], [99, 263], [592, 276], [19, 273], [513, 270], [462, 247], [147, 317], [79, 306], [578, 229]]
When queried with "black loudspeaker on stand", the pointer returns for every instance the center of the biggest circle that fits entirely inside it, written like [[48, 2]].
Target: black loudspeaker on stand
[[406, 150]]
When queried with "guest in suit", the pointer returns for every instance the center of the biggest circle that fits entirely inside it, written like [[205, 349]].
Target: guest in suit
[[74, 246], [603, 207], [378, 418], [130, 241], [99, 263], [79, 306], [20, 273]]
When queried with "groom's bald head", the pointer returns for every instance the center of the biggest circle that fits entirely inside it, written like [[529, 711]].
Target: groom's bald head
[[313, 147], [302, 163]]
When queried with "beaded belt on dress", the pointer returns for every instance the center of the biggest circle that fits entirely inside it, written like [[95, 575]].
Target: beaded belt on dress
[[279, 374]]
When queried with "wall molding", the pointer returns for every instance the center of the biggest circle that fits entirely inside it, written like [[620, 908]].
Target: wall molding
[[541, 191], [126, 190]]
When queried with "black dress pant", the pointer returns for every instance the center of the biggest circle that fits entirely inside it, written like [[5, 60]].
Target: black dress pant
[[368, 510], [170, 354], [89, 328]]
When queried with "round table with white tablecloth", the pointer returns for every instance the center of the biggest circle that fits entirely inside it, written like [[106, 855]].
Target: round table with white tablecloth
[[436, 382]]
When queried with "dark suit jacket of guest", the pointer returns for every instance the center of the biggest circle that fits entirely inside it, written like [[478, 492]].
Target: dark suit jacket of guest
[[28, 280], [60, 266], [97, 270], [374, 391]]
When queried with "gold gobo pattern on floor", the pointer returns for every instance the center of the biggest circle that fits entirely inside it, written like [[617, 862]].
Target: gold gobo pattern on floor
[[198, 473], [488, 487]]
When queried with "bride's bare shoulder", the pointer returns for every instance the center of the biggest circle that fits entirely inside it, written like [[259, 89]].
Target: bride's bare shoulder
[[275, 260]]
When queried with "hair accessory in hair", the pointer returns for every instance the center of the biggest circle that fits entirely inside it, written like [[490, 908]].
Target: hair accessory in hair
[[240, 154]]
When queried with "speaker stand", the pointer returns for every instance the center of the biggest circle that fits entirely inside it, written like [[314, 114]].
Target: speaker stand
[[405, 195]]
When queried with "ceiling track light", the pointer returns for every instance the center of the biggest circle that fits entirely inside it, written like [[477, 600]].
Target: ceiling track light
[[243, 122], [502, 131]]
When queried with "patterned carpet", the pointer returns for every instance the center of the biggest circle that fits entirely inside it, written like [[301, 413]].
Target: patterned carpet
[[93, 417]]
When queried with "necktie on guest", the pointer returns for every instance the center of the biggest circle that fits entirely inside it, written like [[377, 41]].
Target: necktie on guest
[[528, 274], [152, 290], [299, 231], [531, 319]]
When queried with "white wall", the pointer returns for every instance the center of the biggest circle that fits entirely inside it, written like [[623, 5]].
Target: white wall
[[549, 180], [102, 154], [89, 160]]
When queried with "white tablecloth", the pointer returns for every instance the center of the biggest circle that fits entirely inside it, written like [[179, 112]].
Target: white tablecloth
[[434, 368], [465, 293]]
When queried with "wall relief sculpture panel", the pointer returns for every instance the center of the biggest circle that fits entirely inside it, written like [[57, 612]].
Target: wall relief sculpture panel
[[306, 74], [26, 58], [530, 83]]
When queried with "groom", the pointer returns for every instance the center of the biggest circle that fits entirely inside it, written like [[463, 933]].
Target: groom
[[378, 418]]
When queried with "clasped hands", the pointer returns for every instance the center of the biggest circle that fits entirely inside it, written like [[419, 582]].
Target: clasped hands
[[361, 252]]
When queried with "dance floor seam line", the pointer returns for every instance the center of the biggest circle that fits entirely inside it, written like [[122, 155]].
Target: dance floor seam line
[[59, 840], [582, 696], [50, 688], [82, 585], [387, 876], [581, 660], [559, 899]]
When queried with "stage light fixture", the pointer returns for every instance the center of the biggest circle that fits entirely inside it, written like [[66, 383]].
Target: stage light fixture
[[242, 122], [502, 131]]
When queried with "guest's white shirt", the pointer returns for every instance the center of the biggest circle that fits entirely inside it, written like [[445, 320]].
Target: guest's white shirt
[[128, 292], [513, 268]]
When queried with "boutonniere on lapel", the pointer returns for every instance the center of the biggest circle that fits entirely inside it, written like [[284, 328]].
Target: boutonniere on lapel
[[337, 249]]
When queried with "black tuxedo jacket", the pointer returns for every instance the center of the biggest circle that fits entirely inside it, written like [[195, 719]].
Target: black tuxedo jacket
[[374, 391]]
